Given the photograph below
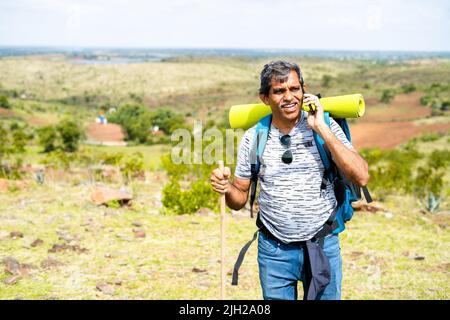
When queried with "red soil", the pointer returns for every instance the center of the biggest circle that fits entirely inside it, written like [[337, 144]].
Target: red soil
[[105, 132], [389, 126]]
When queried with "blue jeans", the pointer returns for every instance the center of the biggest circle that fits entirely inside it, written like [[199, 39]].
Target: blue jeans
[[281, 266]]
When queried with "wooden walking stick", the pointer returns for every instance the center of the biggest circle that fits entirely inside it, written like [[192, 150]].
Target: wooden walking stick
[[222, 240]]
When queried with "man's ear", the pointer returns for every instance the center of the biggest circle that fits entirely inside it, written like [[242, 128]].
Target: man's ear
[[264, 98]]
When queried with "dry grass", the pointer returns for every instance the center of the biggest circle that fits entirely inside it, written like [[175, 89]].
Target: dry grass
[[378, 249]]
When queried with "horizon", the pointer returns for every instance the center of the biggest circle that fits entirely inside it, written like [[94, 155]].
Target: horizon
[[217, 48]]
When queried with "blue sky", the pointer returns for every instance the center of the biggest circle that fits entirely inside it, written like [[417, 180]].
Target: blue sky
[[412, 25]]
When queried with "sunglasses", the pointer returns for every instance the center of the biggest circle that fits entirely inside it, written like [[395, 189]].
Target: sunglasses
[[287, 156]]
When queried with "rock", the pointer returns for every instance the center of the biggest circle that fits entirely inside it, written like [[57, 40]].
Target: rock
[[136, 224], [50, 263], [36, 243], [359, 206], [4, 235], [11, 280], [105, 288], [63, 247], [139, 232], [198, 270], [7, 185], [123, 237], [16, 234], [12, 266], [4, 185], [103, 195], [118, 282], [389, 215]]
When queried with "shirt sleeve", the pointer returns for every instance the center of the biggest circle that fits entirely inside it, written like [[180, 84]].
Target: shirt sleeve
[[339, 133], [243, 167]]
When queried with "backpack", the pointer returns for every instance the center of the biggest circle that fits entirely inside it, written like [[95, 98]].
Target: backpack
[[345, 191]]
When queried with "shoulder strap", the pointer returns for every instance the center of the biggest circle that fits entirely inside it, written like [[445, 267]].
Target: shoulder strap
[[259, 143], [325, 154]]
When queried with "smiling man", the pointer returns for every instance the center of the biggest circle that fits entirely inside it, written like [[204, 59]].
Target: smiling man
[[294, 204]]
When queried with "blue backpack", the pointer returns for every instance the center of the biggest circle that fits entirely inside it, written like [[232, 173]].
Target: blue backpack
[[345, 191]]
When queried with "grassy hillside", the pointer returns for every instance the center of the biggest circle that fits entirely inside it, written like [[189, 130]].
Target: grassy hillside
[[88, 251]]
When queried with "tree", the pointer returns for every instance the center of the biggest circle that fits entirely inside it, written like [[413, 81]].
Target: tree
[[166, 119], [135, 120]]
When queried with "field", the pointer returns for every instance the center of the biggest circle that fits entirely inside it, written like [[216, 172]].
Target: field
[[142, 251]]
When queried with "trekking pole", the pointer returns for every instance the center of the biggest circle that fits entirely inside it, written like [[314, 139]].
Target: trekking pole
[[222, 240]]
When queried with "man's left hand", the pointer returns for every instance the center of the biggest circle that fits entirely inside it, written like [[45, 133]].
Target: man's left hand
[[315, 119]]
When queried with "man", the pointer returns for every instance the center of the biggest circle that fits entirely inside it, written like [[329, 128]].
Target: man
[[292, 205]]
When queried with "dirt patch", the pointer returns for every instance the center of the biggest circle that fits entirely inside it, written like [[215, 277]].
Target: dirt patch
[[386, 135], [6, 113], [106, 133], [39, 122], [387, 126], [402, 107]]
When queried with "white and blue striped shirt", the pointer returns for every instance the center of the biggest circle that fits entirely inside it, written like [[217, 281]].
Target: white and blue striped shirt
[[292, 205]]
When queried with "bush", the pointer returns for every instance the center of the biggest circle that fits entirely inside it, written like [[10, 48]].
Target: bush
[[12, 146], [132, 166], [387, 96], [4, 102], [326, 80], [70, 134], [65, 136], [47, 138], [199, 195], [407, 88]]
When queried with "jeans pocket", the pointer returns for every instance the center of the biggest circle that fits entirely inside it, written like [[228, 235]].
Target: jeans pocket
[[267, 245], [332, 246]]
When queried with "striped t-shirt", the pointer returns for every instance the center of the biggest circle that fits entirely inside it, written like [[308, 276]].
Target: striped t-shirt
[[292, 205]]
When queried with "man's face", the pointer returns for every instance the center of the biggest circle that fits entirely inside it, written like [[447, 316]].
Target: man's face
[[285, 98]]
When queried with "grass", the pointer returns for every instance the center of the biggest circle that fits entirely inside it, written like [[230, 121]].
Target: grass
[[377, 250], [152, 154]]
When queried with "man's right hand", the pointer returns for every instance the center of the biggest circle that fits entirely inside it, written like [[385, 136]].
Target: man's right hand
[[219, 180]]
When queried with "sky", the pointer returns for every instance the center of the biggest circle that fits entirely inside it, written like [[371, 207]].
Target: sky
[[387, 25]]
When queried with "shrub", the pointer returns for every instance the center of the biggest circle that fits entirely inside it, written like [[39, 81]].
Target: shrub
[[199, 195], [326, 80], [65, 136], [4, 102], [407, 88], [132, 166], [12, 146], [70, 134], [387, 96], [47, 138]]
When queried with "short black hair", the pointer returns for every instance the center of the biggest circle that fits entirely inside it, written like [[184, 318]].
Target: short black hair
[[280, 70]]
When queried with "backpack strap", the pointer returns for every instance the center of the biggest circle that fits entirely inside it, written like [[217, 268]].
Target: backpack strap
[[325, 154], [259, 144]]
